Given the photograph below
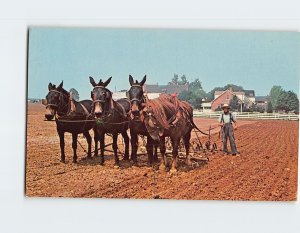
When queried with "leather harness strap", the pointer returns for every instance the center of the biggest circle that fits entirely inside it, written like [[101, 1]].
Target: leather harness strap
[[123, 109], [84, 109]]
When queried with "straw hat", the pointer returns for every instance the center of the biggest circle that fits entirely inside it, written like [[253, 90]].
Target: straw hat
[[225, 106]]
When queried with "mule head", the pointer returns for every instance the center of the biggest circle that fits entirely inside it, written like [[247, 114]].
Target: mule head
[[101, 97], [53, 100], [154, 128], [136, 95]]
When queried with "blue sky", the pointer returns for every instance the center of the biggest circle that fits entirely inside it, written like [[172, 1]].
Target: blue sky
[[252, 59]]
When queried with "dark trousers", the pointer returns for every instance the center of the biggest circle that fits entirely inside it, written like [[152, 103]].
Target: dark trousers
[[227, 132]]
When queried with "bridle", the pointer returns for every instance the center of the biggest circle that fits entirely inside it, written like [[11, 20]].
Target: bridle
[[102, 101], [136, 99], [97, 101], [60, 98]]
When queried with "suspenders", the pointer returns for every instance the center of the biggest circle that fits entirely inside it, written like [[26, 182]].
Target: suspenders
[[231, 118]]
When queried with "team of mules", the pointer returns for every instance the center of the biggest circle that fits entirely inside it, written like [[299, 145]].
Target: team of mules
[[156, 119]]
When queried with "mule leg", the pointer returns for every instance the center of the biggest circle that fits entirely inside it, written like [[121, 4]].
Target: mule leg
[[115, 148], [102, 145], [96, 139], [163, 163], [126, 141], [186, 141], [89, 141], [62, 146], [134, 146], [74, 146], [155, 157], [149, 148], [174, 155]]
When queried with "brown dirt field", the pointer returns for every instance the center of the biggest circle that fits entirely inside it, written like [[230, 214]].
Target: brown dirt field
[[265, 170]]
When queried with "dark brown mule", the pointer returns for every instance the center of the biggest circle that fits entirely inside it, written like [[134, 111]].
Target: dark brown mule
[[111, 117], [160, 115], [136, 124], [59, 104]]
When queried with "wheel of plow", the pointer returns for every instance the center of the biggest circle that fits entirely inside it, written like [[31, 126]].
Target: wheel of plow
[[169, 145], [196, 145], [211, 147]]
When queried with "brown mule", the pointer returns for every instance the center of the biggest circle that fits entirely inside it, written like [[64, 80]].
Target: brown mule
[[159, 117]]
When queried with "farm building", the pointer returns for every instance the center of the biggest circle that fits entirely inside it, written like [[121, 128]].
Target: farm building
[[246, 98], [33, 100], [154, 90], [262, 102], [119, 95]]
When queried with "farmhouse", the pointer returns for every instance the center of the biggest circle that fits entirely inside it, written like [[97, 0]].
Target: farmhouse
[[245, 98]]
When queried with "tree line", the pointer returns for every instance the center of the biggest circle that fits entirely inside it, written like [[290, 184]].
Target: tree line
[[278, 99]]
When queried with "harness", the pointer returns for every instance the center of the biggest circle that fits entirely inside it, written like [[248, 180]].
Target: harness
[[231, 118], [55, 105], [123, 109], [111, 106], [83, 107], [58, 106]]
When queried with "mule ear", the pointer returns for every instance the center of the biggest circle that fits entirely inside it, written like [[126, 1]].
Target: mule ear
[[143, 81], [50, 86], [92, 81], [131, 81], [107, 82], [60, 85]]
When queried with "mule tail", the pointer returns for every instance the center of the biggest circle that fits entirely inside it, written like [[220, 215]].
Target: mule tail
[[195, 127], [189, 111]]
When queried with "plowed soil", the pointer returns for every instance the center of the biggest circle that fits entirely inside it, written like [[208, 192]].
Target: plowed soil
[[266, 168]]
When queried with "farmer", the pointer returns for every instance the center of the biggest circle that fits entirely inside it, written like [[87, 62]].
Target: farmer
[[228, 123]]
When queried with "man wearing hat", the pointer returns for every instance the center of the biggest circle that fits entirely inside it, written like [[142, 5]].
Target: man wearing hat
[[228, 123]]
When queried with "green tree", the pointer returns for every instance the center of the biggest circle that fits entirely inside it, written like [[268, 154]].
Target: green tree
[[274, 95], [74, 93], [195, 85], [183, 80], [293, 101], [287, 101], [269, 107], [174, 80], [195, 92], [234, 87], [234, 103], [193, 97]]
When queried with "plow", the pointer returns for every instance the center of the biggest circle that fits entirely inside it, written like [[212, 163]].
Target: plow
[[200, 150]]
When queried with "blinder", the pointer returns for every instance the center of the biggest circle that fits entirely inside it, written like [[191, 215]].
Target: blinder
[[44, 102], [60, 99]]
